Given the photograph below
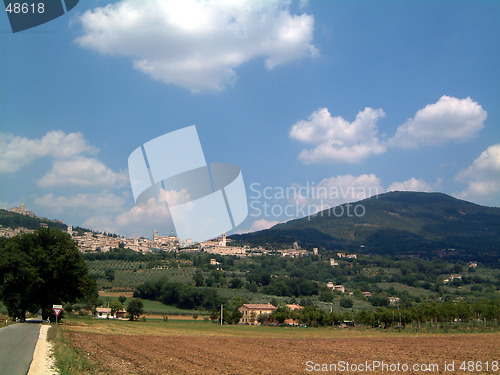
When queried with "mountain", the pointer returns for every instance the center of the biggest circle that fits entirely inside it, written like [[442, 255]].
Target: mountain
[[395, 223]]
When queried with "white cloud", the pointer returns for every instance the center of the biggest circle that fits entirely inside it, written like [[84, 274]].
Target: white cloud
[[482, 177], [412, 184], [332, 191], [262, 224], [448, 119], [337, 140], [81, 203], [173, 197], [82, 172], [198, 44], [15, 151], [140, 220]]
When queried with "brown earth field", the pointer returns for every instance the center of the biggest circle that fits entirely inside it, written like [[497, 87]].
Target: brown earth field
[[189, 354], [116, 294]]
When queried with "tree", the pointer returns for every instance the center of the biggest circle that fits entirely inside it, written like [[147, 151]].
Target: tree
[[122, 299], [282, 313], [235, 283], [40, 269], [346, 302], [261, 318], [252, 318], [115, 306], [135, 308], [110, 274], [198, 279]]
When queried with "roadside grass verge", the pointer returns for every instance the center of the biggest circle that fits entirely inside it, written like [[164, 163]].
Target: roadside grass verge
[[68, 359]]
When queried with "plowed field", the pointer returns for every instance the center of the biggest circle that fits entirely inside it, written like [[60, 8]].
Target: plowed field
[[149, 354]]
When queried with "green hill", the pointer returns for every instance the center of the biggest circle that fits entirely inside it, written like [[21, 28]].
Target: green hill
[[396, 223], [14, 220]]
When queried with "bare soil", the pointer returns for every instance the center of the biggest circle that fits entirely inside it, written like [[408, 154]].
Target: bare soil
[[146, 354], [116, 294]]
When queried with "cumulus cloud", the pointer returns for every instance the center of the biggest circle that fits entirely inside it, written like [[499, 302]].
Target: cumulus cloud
[[346, 188], [447, 119], [330, 192], [262, 224], [337, 140], [482, 177], [412, 184], [15, 151], [198, 44], [141, 220], [82, 172], [81, 203]]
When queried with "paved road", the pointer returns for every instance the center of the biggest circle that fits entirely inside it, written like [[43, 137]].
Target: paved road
[[17, 343]]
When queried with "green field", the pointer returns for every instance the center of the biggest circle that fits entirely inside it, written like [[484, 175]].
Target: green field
[[130, 274], [155, 307], [202, 327]]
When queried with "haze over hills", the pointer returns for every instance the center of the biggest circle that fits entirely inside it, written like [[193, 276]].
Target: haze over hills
[[396, 223]]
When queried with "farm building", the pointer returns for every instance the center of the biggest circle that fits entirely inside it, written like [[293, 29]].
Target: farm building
[[251, 311], [103, 313]]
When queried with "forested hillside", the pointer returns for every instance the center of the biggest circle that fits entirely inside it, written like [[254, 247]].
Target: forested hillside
[[427, 225]]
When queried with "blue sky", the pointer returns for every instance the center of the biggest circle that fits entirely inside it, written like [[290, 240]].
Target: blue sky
[[351, 96]]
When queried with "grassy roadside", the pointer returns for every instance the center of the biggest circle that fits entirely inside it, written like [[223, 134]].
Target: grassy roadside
[[2, 321], [68, 359]]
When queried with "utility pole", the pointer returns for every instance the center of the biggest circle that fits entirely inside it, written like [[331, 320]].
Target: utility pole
[[333, 322], [221, 313], [399, 312]]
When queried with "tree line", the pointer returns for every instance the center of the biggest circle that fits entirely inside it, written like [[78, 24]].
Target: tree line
[[181, 295], [478, 313]]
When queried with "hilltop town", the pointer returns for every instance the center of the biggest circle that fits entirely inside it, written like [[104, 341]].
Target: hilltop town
[[90, 241]]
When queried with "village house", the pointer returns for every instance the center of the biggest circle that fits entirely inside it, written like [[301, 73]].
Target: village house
[[103, 313], [251, 311], [393, 300], [121, 314], [334, 287]]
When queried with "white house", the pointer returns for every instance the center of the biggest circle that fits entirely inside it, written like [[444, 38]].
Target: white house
[[103, 313]]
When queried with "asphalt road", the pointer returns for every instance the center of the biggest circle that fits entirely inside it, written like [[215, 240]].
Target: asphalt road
[[17, 344]]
